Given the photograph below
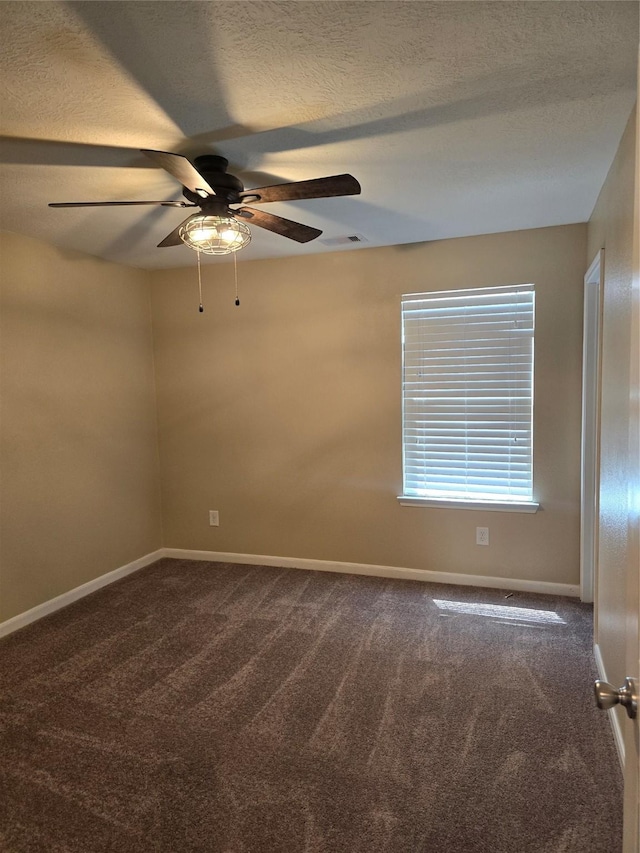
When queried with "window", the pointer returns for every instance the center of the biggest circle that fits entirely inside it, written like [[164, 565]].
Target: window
[[468, 397]]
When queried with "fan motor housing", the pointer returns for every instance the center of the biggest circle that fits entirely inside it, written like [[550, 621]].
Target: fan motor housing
[[213, 169]]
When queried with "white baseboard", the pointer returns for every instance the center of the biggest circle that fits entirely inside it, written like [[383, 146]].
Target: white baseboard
[[378, 571], [613, 717], [23, 619]]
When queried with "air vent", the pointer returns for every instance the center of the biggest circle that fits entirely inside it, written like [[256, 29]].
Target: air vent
[[344, 241]]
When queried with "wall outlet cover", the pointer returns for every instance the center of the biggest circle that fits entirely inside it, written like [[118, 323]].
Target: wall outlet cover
[[482, 535]]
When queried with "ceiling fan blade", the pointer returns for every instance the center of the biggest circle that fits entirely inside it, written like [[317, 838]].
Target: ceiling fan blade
[[294, 230], [118, 203], [182, 169], [330, 187], [173, 239]]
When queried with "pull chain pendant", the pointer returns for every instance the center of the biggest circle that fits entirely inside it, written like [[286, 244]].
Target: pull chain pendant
[[235, 275], [200, 306]]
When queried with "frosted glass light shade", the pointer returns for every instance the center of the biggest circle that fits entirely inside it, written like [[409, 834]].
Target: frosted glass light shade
[[215, 235]]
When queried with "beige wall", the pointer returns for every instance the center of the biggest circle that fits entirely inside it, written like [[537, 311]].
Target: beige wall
[[284, 414], [78, 451], [611, 227]]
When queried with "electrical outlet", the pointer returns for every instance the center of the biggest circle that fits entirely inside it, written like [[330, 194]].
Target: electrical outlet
[[482, 535], [214, 518]]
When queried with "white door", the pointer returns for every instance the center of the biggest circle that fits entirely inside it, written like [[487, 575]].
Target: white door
[[626, 728], [618, 565], [632, 730]]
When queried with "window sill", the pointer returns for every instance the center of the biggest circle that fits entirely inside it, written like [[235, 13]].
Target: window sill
[[492, 506]]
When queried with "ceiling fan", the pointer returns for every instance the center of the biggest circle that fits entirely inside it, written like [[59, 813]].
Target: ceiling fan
[[218, 228]]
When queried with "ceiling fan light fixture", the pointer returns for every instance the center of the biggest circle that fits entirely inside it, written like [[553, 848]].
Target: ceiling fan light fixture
[[215, 235]]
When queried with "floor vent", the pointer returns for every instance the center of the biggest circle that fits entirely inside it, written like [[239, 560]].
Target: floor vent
[[344, 241]]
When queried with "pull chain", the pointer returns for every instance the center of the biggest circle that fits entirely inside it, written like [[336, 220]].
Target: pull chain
[[200, 307], [235, 275]]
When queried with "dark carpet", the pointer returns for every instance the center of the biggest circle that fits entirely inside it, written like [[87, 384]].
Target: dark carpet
[[243, 709]]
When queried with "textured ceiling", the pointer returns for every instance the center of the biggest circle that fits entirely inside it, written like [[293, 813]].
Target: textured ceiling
[[457, 118]]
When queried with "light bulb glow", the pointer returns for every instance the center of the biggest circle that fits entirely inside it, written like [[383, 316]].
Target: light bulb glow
[[201, 234]]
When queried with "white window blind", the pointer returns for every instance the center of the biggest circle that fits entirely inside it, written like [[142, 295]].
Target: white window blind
[[468, 394]]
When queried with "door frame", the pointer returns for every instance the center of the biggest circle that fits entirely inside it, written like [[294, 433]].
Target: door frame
[[590, 440]]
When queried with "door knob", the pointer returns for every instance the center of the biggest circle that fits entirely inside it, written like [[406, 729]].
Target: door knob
[[607, 696]]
